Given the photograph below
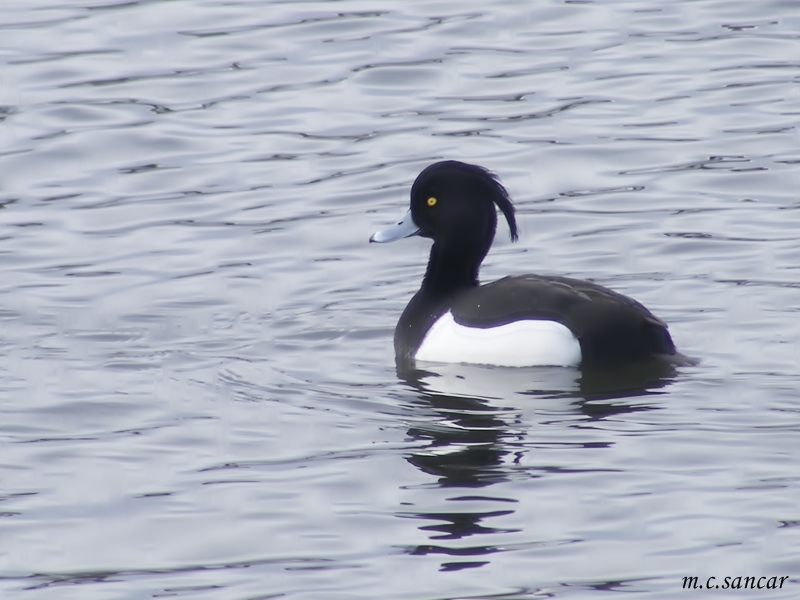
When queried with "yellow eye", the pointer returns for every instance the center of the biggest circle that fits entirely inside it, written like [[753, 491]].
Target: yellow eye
[[431, 201]]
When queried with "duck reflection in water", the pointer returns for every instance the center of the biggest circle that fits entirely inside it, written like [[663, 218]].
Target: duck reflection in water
[[477, 431]]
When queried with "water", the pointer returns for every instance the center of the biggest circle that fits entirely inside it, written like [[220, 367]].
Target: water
[[198, 395]]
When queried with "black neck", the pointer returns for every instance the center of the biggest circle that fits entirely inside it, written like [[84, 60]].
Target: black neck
[[452, 267]]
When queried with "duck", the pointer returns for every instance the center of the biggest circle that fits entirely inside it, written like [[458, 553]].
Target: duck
[[517, 321]]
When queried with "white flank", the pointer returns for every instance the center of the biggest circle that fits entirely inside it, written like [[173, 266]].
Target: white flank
[[527, 343]]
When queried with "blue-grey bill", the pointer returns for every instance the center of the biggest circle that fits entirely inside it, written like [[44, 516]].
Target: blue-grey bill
[[404, 228]]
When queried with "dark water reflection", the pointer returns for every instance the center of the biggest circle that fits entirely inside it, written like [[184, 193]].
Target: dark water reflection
[[471, 443]]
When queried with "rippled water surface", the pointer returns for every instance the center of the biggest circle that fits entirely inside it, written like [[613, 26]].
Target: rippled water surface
[[198, 395]]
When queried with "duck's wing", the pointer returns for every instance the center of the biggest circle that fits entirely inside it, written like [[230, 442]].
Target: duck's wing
[[611, 328]]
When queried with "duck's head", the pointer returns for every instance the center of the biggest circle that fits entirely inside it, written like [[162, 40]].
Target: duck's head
[[454, 203]]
